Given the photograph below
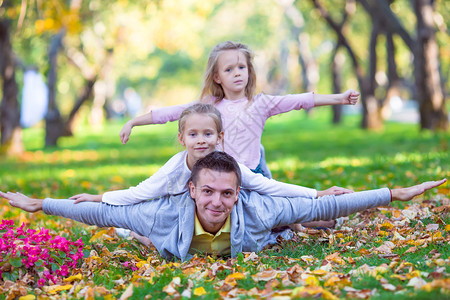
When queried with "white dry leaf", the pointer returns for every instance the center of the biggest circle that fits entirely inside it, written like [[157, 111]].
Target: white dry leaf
[[402, 223], [252, 257], [384, 249], [416, 282], [397, 237], [128, 293], [186, 293], [432, 227], [389, 287], [119, 281], [327, 267]]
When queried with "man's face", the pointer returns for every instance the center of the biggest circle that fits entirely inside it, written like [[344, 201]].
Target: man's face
[[215, 195]]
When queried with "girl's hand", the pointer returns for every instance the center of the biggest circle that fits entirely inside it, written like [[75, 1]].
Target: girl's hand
[[125, 133], [335, 190], [86, 197], [350, 97]]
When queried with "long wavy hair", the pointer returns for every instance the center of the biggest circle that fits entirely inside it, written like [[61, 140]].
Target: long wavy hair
[[211, 88]]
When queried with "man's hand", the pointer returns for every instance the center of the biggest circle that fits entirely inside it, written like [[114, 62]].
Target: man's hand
[[350, 97], [23, 202], [406, 194], [335, 190], [86, 197]]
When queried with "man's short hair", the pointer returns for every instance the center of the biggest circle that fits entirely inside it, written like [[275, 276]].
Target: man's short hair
[[216, 161]]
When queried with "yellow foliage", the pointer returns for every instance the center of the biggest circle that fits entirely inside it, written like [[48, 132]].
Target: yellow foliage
[[27, 297], [200, 291], [98, 235], [73, 278], [60, 288], [311, 280], [86, 184], [231, 279]]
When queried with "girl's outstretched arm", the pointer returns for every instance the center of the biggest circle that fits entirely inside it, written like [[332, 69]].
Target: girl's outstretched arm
[[155, 116], [86, 198], [145, 119], [349, 97]]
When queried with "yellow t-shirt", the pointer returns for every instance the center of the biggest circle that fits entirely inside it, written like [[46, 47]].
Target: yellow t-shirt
[[205, 242]]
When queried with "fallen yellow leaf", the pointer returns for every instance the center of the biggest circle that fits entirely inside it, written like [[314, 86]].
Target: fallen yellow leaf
[[73, 278], [27, 297], [311, 281], [60, 288], [231, 279], [200, 291], [97, 235], [336, 281]]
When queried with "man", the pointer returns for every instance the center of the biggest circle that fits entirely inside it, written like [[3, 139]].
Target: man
[[215, 216]]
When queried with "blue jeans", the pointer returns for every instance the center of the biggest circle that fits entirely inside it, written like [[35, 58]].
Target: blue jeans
[[262, 166]]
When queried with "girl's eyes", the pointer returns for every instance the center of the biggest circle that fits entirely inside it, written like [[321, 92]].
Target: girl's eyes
[[228, 70], [207, 134]]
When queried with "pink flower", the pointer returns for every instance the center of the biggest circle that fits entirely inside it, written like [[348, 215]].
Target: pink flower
[[41, 282], [64, 270]]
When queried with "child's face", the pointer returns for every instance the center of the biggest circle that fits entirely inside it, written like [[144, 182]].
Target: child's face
[[232, 73], [200, 137]]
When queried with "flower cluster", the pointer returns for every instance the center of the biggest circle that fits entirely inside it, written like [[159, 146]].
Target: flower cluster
[[37, 253]]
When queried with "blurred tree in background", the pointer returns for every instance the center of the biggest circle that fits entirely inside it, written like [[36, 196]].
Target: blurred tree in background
[[91, 52]]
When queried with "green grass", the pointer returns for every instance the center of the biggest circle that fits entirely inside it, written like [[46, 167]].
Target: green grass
[[301, 149]]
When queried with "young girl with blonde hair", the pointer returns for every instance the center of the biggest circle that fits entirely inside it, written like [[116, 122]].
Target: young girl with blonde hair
[[229, 84]]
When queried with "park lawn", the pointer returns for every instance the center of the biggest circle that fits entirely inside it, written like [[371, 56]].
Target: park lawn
[[402, 249]]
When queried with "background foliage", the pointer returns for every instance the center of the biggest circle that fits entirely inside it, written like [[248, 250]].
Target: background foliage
[[164, 58]]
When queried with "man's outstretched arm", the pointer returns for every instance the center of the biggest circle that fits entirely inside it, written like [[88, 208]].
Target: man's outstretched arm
[[294, 210], [91, 213]]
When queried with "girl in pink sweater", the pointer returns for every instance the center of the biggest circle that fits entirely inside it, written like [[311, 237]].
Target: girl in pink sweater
[[229, 84]]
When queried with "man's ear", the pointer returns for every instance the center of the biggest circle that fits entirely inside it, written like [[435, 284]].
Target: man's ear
[[181, 140], [237, 194], [192, 189]]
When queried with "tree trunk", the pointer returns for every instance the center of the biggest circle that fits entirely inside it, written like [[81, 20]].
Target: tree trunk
[[337, 61], [431, 98], [426, 61], [53, 121], [394, 83], [371, 108], [11, 133], [87, 93], [371, 114], [310, 69], [336, 67]]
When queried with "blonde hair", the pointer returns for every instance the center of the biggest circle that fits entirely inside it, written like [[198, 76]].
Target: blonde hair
[[211, 87], [204, 109]]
